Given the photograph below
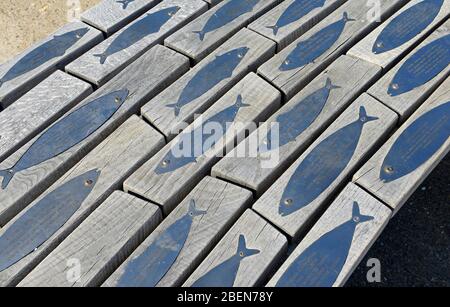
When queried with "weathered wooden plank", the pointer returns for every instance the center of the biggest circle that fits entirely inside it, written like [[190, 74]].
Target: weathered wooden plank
[[26, 70], [306, 187], [292, 18], [207, 81], [43, 225], [249, 251], [300, 121], [410, 155], [295, 66], [212, 2], [203, 35], [336, 244], [98, 245], [40, 168], [429, 63], [171, 174], [400, 33], [110, 57], [195, 226]]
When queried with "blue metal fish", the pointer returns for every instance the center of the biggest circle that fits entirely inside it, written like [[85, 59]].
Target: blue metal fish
[[150, 267], [224, 275], [407, 25], [67, 132], [309, 50], [421, 67], [54, 48], [322, 166], [44, 219], [150, 24], [417, 144], [295, 11], [210, 75], [124, 3], [226, 14], [321, 263]]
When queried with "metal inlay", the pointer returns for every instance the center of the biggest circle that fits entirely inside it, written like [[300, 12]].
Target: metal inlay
[[125, 3]]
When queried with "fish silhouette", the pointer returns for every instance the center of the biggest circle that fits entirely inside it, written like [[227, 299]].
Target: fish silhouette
[[125, 3], [150, 267], [172, 162], [407, 25], [224, 275], [67, 132], [321, 263], [322, 166], [295, 11], [421, 67], [56, 47], [150, 24], [44, 219], [309, 50], [210, 75], [418, 143], [226, 14]]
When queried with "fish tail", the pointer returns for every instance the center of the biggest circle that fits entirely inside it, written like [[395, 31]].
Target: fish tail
[[193, 209], [102, 57], [240, 103], [176, 108], [363, 117], [243, 251], [274, 28], [329, 85], [357, 216], [7, 175], [201, 34], [346, 18]]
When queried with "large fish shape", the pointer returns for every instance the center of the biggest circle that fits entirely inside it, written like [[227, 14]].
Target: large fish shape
[[54, 48], [210, 75], [309, 50], [407, 25], [224, 275], [417, 144], [421, 67], [226, 14], [125, 3], [322, 166], [67, 132], [150, 24], [172, 162], [150, 267], [44, 219], [295, 11], [321, 264]]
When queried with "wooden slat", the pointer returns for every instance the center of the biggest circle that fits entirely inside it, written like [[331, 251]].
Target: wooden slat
[[223, 203], [212, 2], [329, 166], [252, 270], [257, 173], [337, 243]]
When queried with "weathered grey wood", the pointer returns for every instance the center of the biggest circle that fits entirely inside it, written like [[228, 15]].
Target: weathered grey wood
[[163, 117], [144, 79], [254, 270], [395, 193], [363, 49], [406, 103], [212, 2], [99, 245], [14, 83], [258, 172], [292, 81], [373, 134], [339, 213], [223, 203], [89, 65], [168, 189], [289, 33]]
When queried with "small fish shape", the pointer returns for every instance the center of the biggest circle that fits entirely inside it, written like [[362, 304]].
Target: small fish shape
[[209, 76], [149, 268], [224, 275], [421, 67], [407, 25], [321, 263], [150, 24], [309, 50], [295, 11], [44, 219], [417, 144], [322, 166], [56, 47], [124, 3], [67, 132]]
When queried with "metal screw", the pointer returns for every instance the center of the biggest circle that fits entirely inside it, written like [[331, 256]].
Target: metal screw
[[88, 183], [118, 100], [389, 169], [380, 44], [356, 219], [241, 254], [287, 62], [288, 202], [166, 163], [395, 86]]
